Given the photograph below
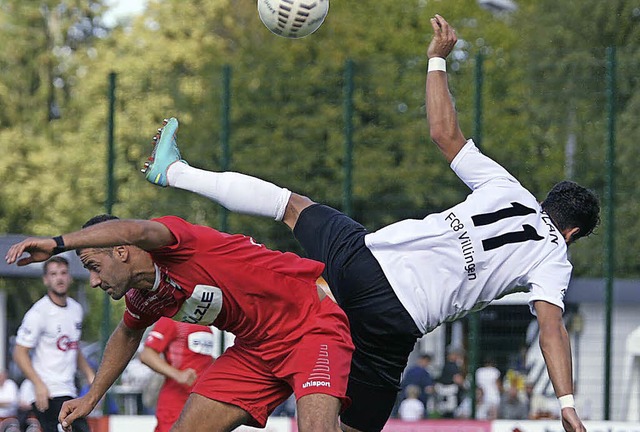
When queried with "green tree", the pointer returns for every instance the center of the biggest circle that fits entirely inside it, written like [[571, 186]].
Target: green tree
[[543, 85]]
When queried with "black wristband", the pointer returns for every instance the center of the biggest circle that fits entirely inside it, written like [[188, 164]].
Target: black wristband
[[59, 245]]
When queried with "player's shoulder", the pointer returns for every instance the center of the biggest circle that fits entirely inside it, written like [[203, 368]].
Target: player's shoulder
[[184, 230], [41, 305], [74, 305]]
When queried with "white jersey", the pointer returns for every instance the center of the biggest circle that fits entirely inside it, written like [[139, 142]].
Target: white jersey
[[495, 242], [53, 333]]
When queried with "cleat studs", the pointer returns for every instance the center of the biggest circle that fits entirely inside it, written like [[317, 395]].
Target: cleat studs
[[147, 164], [165, 121], [143, 170]]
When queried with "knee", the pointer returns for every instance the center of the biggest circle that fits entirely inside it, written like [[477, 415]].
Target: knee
[[295, 206]]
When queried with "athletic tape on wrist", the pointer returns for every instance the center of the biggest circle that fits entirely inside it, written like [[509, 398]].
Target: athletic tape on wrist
[[567, 401], [437, 64], [59, 247]]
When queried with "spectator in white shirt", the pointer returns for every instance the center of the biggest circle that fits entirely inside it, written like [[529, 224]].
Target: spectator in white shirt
[[412, 408]]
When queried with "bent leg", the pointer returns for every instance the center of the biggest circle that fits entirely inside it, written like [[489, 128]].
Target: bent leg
[[318, 412], [296, 204], [203, 414]]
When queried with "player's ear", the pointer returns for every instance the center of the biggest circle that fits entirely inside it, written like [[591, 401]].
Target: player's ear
[[121, 253], [569, 234]]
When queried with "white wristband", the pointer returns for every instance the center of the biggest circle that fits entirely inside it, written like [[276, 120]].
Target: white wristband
[[437, 64], [567, 401]]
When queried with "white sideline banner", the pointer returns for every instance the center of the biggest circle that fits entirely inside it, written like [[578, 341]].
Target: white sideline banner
[[147, 423], [556, 426]]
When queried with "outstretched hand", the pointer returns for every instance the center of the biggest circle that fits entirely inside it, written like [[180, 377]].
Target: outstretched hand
[[571, 422], [444, 38], [39, 249], [72, 410]]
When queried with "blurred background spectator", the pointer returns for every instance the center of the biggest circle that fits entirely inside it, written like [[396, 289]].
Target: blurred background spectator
[[450, 387], [488, 378], [8, 404], [412, 408], [513, 405], [418, 375]]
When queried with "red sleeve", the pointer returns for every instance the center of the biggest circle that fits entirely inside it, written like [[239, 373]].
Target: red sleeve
[[161, 335], [186, 235]]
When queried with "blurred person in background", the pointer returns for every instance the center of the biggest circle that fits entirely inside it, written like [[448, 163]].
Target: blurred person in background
[[450, 387], [26, 412], [513, 405], [180, 352], [488, 377], [9, 400], [412, 408], [483, 411], [419, 376], [51, 332]]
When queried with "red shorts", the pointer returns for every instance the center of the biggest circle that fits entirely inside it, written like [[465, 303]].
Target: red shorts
[[169, 406], [319, 362]]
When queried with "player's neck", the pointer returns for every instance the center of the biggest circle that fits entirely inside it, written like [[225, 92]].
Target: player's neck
[[58, 299]]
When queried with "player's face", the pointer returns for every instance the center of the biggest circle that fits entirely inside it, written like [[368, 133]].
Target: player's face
[[57, 278], [106, 271]]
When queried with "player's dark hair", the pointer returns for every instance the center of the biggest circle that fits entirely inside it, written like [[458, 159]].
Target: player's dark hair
[[96, 220], [54, 259], [572, 206], [99, 219]]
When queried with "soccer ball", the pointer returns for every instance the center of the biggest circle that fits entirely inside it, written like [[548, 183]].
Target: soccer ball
[[293, 18]]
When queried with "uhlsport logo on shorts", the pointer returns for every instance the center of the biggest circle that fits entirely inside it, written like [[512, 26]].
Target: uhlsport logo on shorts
[[320, 376]]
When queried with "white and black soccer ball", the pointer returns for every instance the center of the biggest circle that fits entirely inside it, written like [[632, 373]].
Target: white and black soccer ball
[[293, 18]]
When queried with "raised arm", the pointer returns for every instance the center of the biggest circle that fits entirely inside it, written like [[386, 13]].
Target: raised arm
[[147, 235], [556, 349], [441, 114], [121, 347]]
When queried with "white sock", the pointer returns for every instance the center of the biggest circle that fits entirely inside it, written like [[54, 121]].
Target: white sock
[[236, 192]]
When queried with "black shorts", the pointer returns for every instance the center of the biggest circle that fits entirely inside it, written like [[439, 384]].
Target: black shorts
[[49, 418], [383, 332]]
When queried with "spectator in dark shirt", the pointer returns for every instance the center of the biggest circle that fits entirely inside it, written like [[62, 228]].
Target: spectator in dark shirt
[[418, 375], [450, 386]]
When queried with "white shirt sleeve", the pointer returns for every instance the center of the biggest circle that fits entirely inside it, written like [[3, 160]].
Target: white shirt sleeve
[[475, 169], [30, 329], [549, 283]]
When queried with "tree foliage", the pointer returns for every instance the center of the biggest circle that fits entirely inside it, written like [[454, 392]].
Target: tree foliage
[[543, 86]]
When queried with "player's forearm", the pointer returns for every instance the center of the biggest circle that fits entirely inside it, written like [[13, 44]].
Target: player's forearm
[[121, 347], [556, 349], [108, 234], [23, 360], [442, 116], [157, 363]]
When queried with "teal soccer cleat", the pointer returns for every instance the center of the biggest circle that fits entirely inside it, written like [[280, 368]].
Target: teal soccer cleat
[[165, 153]]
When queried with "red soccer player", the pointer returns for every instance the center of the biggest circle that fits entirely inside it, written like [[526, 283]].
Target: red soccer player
[[180, 352], [289, 336]]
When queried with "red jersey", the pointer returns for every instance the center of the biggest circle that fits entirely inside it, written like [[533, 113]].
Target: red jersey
[[208, 277], [185, 346]]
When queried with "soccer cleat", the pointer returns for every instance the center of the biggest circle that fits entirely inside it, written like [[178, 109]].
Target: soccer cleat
[[165, 153]]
